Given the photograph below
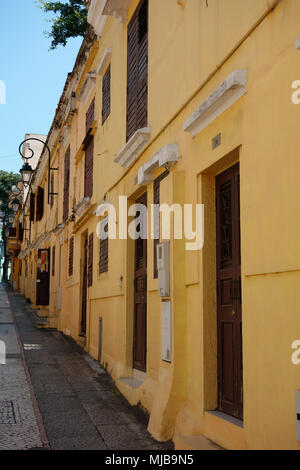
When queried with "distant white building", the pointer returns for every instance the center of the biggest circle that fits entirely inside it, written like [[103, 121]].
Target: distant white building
[[37, 148]]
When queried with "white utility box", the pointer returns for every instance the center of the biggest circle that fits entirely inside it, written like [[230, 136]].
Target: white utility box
[[163, 267], [297, 403], [166, 331]]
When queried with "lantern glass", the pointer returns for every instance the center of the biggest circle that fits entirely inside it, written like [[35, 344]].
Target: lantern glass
[[26, 172], [15, 205]]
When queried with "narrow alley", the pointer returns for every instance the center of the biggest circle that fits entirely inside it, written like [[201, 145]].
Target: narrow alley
[[54, 396]]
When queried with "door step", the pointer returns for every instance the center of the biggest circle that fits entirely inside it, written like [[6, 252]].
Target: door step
[[194, 442], [129, 387]]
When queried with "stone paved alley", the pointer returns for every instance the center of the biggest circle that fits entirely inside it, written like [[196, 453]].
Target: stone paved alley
[[54, 396]]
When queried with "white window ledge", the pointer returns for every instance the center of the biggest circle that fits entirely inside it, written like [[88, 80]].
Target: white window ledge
[[133, 148], [87, 87], [82, 206], [117, 8], [104, 61], [166, 157], [221, 99], [297, 43]]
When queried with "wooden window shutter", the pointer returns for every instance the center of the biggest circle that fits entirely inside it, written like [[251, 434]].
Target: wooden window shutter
[[88, 170], [53, 260], [12, 232], [90, 260], [137, 70], [103, 259], [52, 190], [40, 204], [66, 185], [106, 93], [32, 207], [71, 256], [21, 232], [156, 200], [90, 116]]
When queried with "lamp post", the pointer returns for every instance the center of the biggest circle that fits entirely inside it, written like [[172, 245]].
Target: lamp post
[[26, 171]]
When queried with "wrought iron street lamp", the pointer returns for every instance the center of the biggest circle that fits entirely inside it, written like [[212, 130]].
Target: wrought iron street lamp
[[16, 191], [15, 205], [26, 171]]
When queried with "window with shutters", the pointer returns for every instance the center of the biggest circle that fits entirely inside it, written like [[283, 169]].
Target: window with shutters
[[88, 170], [103, 259], [66, 185], [32, 207], [90, 260], [71, 256], [137, 70], [53, 261], [90, 116], [156, 201], [106, 93], [40, 204]]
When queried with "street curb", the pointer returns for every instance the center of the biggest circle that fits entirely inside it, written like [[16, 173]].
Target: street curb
[[39, 418]]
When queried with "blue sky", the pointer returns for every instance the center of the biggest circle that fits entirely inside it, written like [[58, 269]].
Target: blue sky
[[33, 75]]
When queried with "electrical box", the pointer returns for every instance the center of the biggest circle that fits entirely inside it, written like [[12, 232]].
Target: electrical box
[[163, 267], [297, 403], [166, 331]]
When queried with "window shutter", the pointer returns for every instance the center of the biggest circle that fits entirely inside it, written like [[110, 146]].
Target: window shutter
[[66, 185], [90, 261], [137, 70], [88, 170], [32, 206], [90, 116], [40, 204], [71, 256], [156, 200], [106, 93], [12, 232], [53, 260], [21, 232], [103, 261], [52, 190]]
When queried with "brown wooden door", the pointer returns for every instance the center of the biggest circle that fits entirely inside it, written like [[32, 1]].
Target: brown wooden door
[[43, 277], [84, 286], [140, 297], [230, 375]]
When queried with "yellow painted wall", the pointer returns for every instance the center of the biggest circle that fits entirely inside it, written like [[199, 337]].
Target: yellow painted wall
[[192, 49]]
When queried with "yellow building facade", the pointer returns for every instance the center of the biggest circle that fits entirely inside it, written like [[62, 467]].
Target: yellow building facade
[[179, 103]]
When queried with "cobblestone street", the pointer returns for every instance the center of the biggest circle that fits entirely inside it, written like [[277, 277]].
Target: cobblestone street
[[54, 396]]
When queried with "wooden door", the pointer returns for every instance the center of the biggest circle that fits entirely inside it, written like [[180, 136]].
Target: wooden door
[[230, 375], [140, 297], [84, 286], [43, 277]]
